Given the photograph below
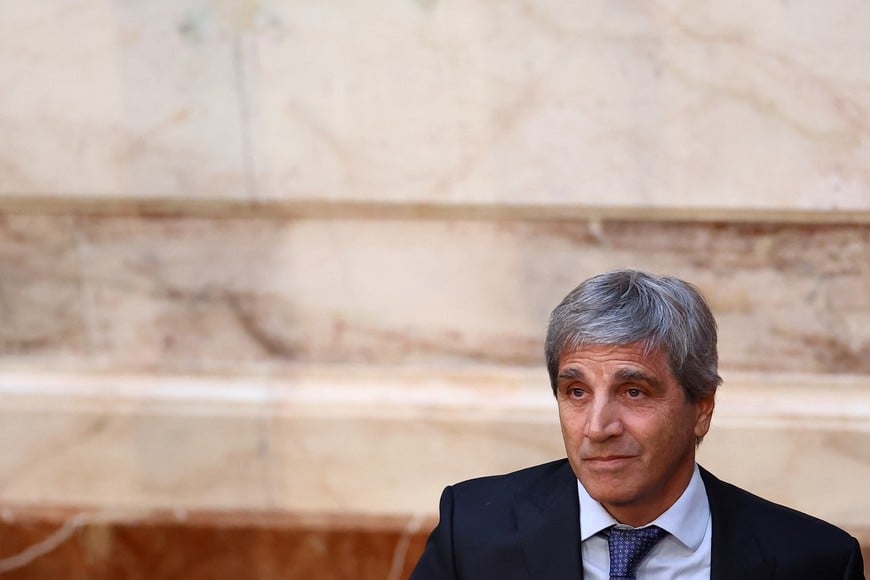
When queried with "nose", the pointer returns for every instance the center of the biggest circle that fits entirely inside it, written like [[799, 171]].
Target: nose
[[603, 421]]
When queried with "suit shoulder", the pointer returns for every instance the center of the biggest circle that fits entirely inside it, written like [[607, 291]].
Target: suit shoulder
[[484, 509], [780, 521], [512, 481]]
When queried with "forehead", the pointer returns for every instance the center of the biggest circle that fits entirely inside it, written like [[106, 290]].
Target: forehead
[[631, 355]]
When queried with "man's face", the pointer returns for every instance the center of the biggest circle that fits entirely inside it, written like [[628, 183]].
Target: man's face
[[628, 429]]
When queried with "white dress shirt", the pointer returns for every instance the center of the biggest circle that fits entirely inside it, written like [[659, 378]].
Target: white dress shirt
[[683, 554]]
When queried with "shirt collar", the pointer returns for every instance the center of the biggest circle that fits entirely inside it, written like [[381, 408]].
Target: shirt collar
[[686, 520]]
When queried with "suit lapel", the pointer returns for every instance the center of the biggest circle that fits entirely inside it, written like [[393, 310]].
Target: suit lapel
[[735, 550], [548, 524]]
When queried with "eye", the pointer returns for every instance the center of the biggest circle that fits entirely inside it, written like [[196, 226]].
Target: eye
[[576, 392], [634, 393]]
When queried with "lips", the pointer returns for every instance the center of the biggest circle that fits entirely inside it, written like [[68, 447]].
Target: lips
[[606, 462]]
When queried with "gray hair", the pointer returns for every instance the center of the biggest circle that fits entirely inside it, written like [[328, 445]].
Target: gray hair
[[626, 307]]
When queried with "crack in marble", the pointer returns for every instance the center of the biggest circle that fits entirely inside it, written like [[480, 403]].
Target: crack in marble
[[504, 120], [400, 552], [53, 541], [770, 107], [851, 114], [243, 100], [51, 449], [139, 144], [15, 172], [269, 342], [345, 155], [76, 522], [561, 29]]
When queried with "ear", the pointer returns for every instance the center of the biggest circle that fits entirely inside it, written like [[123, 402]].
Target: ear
[[704, 408]]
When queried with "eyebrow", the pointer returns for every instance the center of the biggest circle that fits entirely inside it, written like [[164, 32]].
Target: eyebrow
[[638, 376], [571, 374]]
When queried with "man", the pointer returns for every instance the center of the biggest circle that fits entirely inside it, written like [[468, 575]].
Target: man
[[633, 365]]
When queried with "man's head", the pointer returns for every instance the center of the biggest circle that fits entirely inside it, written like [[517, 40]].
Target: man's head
[[629, 307], [632, 361]]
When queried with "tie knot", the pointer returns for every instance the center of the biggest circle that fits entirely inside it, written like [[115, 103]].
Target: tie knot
[[628, 547]]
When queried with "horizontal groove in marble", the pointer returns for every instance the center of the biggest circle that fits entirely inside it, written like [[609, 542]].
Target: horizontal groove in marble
[[373, 208], [225, 518]]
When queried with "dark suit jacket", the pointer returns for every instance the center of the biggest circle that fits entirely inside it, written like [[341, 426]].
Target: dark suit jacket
[[525, 525]]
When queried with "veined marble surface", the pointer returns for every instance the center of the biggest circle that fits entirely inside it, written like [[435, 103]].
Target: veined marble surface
[[137, 550], [666, 104], [178, 294], [109, 99]]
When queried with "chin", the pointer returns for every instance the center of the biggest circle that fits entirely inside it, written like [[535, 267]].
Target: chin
[[611, 490], [609, 496]]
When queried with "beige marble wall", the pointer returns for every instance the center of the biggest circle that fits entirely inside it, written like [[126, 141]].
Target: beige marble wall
[[107, 99], [669, 105], [251, 249]]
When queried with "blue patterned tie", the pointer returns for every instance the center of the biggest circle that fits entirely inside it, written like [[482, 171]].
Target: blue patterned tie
[[628, 547]]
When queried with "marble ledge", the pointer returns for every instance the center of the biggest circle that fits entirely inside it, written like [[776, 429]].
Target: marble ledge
[[763, 398], [144, 444]]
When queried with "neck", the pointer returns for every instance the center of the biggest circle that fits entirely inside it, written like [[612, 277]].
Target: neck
[[638, 514]]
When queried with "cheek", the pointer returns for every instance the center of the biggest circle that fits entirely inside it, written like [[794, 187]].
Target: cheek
[[644, 421], [675, 435], [571, 422], [652, 429]]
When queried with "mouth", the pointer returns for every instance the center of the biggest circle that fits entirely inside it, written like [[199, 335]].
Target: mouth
[[607, 461]]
